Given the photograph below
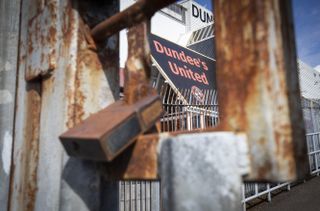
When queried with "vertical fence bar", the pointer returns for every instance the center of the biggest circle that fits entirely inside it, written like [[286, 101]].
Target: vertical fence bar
[[143, 195], [269, 192], [315, 152], [244, 207], [256, 190]]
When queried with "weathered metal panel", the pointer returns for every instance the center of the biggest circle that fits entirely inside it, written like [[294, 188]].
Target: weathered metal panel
[[9, 37], [25, 151], [258, 85], [203, 171], [83, 82]]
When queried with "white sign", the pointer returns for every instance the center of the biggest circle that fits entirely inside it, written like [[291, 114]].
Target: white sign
[[202, 14]]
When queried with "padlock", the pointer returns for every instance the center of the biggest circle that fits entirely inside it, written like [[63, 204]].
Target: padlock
[[107, 133]]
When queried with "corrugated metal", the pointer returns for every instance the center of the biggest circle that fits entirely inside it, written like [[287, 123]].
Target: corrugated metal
[[9, 48]]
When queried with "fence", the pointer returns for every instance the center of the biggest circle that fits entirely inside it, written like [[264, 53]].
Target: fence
[[184, 112], [253, 191], [72, 83], [181, 112], [311, 110], [139, 196]]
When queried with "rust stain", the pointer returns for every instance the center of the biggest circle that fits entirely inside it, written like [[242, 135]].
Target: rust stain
[[144, 160], [32, 146], [264, 170], [68, 26], [69, 97], [79, 111], [138, 64], [30, 47], [139, 161], [51, 37]]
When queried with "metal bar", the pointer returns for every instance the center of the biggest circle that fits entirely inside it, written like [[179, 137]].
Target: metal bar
[[244, 207], [269, 192], [256, 191], [315, 154], [138, 64], [141, 11], [264, 192], [315, 133], [258, 85]]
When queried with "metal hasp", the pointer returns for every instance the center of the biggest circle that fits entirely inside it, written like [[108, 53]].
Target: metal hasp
[[258, 85], [203, 171], [107, 133]]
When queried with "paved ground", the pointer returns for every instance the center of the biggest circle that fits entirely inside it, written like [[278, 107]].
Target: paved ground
[[302, 197]]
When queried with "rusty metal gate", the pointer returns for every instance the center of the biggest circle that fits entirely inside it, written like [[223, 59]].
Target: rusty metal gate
[[54, 75]]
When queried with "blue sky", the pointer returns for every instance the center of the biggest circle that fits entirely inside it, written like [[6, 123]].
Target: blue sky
[[307, 27]]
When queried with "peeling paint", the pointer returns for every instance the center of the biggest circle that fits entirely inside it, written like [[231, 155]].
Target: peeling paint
[[5, 97], [6, 152]]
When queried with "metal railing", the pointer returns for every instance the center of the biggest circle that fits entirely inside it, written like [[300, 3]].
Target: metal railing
[[139, 196], [313, 142], [252, 191], [184, 112]]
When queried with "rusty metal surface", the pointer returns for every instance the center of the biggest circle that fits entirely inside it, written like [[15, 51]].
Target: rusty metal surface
[[44, 178], [138, 64], [28, 173], [140, 109], [258, 85], [9, 41], [107, 133], [42, 42], [139, 161], [141, 11]]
